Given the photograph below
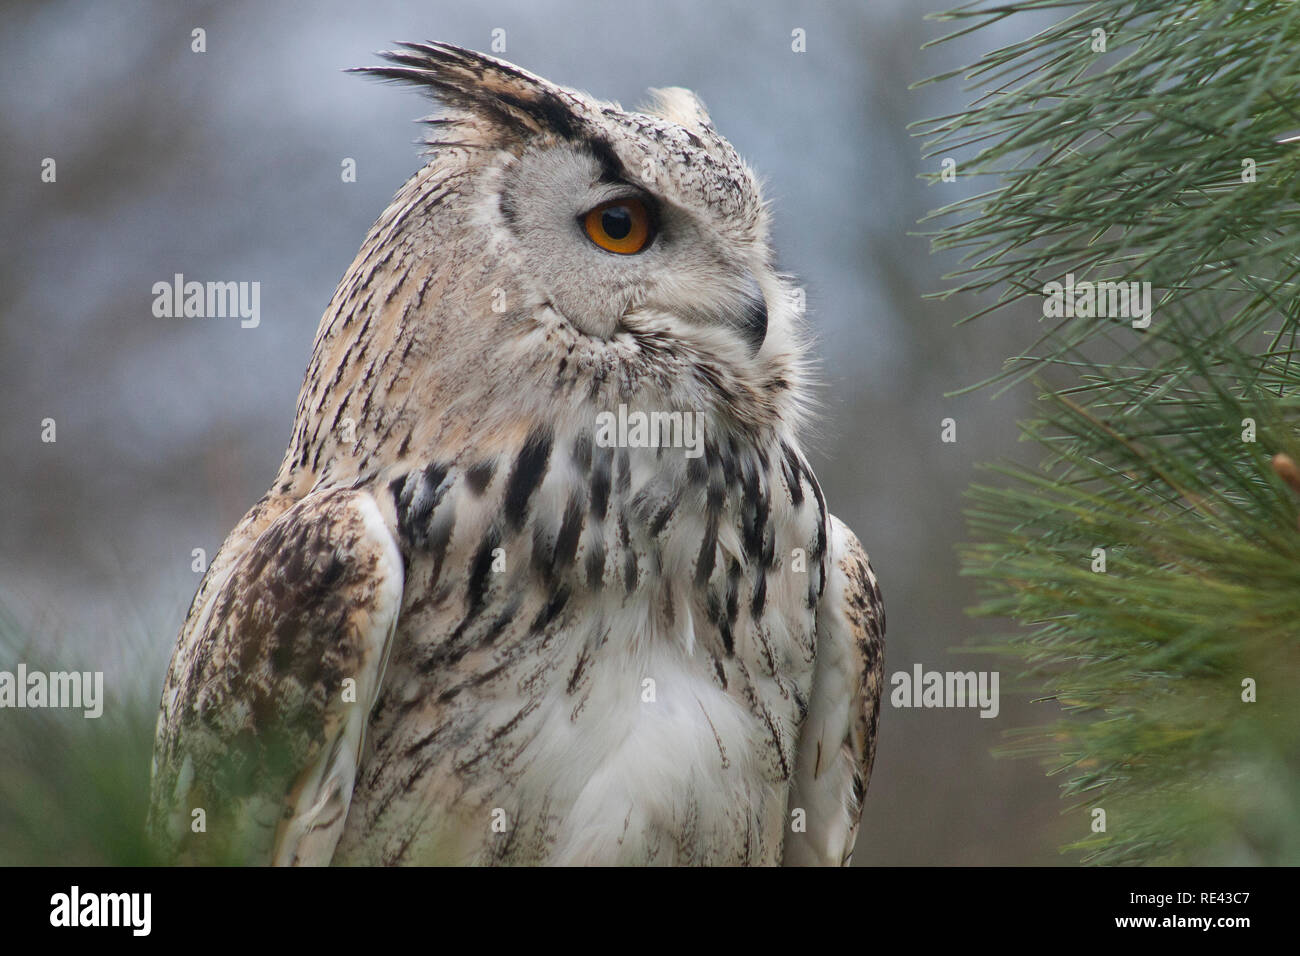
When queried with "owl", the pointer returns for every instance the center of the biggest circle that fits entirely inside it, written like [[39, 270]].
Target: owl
[[545, 576]]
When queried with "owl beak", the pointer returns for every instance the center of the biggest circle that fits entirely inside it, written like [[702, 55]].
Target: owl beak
[[753, 315]]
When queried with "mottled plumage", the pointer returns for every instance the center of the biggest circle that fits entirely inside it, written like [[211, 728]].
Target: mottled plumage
[[461, 627]]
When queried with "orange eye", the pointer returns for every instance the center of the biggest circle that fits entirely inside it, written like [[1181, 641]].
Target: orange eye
[[620, 225]]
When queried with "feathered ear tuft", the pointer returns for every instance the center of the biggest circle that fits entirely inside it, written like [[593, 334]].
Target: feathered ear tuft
[[680, 106], [484, 86]]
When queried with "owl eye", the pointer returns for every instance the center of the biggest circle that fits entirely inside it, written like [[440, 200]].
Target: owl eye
[[620, 225]]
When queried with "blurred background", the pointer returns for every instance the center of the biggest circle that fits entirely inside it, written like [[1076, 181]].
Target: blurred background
[[225, 165]]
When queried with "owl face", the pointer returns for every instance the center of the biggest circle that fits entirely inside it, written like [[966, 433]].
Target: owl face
[[622, 223], [556, 258], [610, 251]]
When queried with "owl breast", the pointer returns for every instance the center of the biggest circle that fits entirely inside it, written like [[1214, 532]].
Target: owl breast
[[603, 657]]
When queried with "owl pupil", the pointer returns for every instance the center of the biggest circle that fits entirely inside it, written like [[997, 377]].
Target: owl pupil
[[617, 222]]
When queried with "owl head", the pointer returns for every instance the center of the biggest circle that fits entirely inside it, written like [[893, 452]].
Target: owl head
[[610, 211], [557, 255]]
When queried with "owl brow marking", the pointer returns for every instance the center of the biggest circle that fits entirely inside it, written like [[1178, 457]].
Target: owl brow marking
[[612, 171]]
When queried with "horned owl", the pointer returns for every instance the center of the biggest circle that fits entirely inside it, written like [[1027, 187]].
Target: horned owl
[[544, 576]]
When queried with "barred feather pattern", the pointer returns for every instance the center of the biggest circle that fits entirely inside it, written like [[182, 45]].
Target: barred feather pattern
[[618, 567]]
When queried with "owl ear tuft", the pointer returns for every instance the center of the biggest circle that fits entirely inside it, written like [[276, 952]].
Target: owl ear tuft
[[679, 105], [484, 86]]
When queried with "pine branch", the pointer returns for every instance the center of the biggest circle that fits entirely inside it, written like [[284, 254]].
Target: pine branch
[[1153, 558]]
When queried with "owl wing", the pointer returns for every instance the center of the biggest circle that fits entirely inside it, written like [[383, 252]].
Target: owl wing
[[266, 703], [838, 740]]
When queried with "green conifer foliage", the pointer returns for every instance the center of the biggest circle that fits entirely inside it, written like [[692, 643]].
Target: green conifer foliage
[[1145, 142]]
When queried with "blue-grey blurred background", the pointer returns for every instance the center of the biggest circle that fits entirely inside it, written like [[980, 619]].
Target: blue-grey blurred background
[[225, 165]]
